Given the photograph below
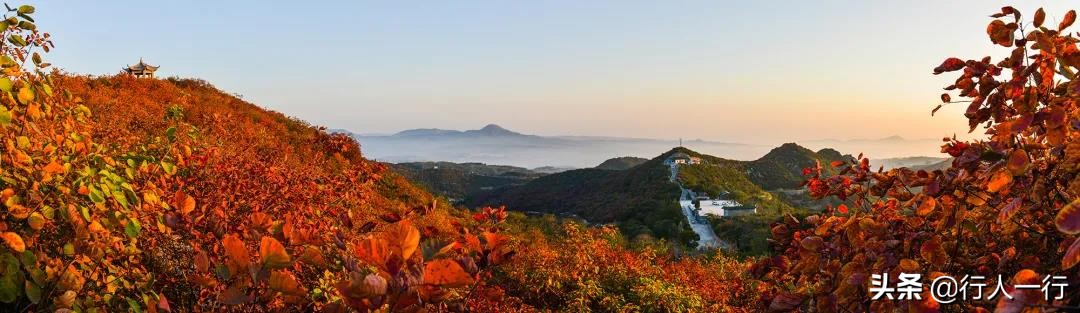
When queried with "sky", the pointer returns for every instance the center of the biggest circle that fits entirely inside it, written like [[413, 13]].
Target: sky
[[746, 71]]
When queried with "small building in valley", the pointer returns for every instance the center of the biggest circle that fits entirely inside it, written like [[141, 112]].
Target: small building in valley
[[141, 70]]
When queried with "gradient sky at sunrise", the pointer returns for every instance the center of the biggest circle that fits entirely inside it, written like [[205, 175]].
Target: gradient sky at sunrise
[[747, 71]]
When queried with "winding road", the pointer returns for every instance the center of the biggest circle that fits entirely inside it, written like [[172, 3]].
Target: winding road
[[707, 238]]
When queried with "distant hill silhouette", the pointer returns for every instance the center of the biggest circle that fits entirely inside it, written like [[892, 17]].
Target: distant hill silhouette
[[621, 163], [494, 144]]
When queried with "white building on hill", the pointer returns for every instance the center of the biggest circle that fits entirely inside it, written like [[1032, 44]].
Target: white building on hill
[[682, 158], [724, 207]]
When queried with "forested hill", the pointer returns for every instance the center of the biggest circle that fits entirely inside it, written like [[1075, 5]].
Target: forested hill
[[457, 180], [641, 200], [621, 163], [170, 185]]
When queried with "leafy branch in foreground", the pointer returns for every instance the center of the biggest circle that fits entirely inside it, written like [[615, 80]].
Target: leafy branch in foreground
[[1007, 205]]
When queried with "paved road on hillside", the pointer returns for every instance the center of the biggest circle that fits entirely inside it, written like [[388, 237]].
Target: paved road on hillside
[[707, 238]]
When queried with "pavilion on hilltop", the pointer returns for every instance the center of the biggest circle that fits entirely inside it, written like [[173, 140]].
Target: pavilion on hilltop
[[141, 70]]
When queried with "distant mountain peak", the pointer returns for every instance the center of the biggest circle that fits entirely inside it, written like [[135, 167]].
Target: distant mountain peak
[[426, 132], [494, 130]]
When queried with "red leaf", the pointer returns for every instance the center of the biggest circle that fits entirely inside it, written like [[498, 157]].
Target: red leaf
[[233, 295], [843, 209], [1070, 17], [1040, 16], [1072, 256], [1068, 219], [1000, 33], [1009, 209], [950, 64]]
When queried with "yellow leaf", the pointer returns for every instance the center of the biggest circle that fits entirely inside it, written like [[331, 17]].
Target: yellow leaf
[[26, 95], [150, 198], [36, 221]]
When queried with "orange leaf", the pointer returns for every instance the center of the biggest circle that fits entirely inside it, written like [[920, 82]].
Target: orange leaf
[[54, 167], [1026, 277], [932, 251], [14, 241], [1018, 161], [403, 238], [273, 253], [1068, 219], [184, 202], [473, 243], [286, 283], [1072, 256], [313, 256], [237, 252], [909, 266], [494, 240], [373, 251], [927, 206], [998, 182], [445, 272], [202, 261]]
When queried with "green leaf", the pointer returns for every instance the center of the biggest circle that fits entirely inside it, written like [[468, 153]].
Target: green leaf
[[134, 305], [121, 198], [6, 84], [28, 26], [171, 133], [26, 9], [168, 167], [96, 196], [28, 259], [17, 40], [69, 249], [5, 116], [33, 292], [9, 290], [132, 229]]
